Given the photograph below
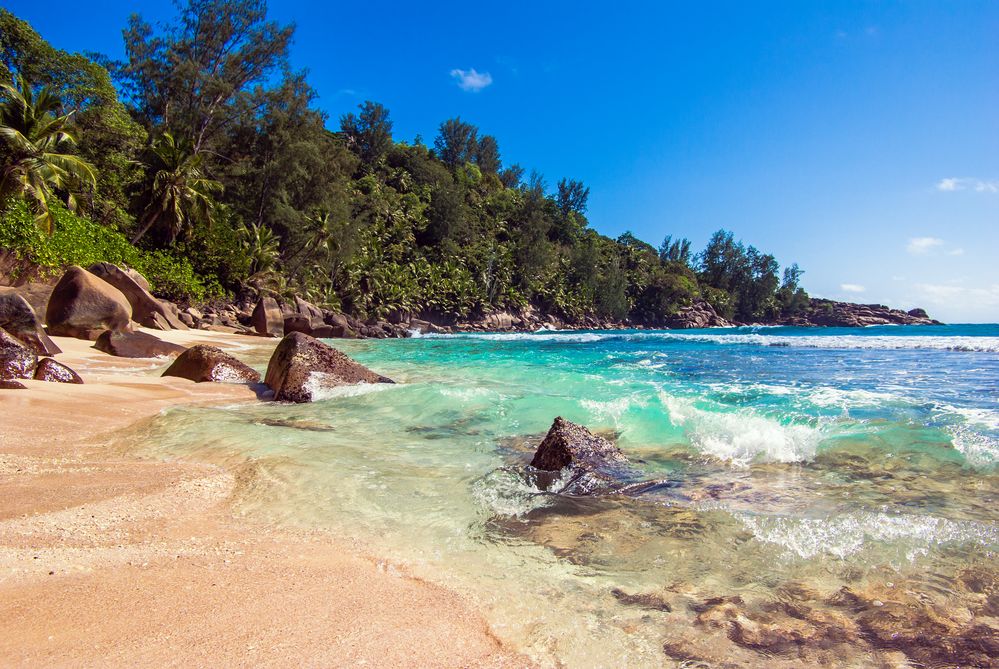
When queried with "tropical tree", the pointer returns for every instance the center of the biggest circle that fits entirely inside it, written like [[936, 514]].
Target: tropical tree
[[178, 193], [35, 163], [262, 248]]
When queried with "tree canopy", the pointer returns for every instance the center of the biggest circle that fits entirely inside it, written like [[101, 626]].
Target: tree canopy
[[206, 148]]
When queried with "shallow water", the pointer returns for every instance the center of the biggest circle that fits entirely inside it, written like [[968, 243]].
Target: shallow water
[[794, 463]]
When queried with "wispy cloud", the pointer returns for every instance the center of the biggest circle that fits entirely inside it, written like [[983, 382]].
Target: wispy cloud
[[851, 288], [949, 294], [470, 80], [956, 252], [918, 246], [952, 184]]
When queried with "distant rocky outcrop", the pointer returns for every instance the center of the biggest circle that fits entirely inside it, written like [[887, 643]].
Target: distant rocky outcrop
[[135, 345], [828, 313], [203, 363], [82, 305], [55, 372], [18, 318], [302, 367], [700, 314]]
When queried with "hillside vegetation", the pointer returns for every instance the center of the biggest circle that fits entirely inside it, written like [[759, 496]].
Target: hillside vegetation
[[202, 160]]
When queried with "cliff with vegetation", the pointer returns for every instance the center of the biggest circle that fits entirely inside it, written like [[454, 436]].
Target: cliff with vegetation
[[202, 160]]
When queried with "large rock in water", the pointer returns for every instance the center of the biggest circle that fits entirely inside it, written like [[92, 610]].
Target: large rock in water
[[570, 445], [17, 361], [267, 318], [302, 366], [55, 372], [83, 305], [203, 363], [135, 345], [19, 319], [146, 309]]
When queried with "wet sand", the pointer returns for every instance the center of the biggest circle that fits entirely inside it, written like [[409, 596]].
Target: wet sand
[[108, 560]]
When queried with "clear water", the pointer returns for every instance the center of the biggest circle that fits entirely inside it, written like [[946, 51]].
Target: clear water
[[793, 461]]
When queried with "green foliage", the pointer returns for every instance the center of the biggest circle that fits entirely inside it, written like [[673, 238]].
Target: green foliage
[[245, 189], [79, 241], [35, 145]]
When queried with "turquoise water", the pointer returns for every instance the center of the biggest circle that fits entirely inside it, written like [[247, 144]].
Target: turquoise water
[[791, 460]]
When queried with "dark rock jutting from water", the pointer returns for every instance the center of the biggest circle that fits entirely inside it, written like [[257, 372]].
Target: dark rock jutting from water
[[577, 461], [302, 366], [202, 363]]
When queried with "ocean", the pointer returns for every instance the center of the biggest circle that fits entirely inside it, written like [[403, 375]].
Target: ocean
[[822, 495]]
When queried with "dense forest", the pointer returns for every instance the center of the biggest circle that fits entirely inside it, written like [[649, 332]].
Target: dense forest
[[202, 160]]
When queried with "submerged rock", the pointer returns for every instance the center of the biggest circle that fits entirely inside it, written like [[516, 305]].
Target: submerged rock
[[303, 366], [17, 361], [18, 318], [203, 363], [135, 345], [83, 305], [55, 372]]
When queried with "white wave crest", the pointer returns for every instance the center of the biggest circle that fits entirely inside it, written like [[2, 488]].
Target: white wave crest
[[858, 341], [612, 410], [741, 437], [847, 534], [320, 391]]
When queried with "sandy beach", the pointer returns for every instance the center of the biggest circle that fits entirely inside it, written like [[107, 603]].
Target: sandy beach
[[111, 560]]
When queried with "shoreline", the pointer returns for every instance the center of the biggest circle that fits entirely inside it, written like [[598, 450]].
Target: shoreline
[[107, 558]]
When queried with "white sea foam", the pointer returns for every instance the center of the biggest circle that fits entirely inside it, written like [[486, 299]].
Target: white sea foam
[[843, 398], [612, 410], [741, 437], [321, 392], [847, 534], [859, 341], [979, 449]]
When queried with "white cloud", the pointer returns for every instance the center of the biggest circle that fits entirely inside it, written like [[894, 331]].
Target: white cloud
[[851, 288], [922, 245], [949, 294], [470, 80], [956, 302], [951, 184]]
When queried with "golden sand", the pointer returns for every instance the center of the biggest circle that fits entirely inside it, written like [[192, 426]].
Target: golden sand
[[108, 560]]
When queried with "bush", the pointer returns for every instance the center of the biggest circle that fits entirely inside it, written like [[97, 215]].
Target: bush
[[79, 241]]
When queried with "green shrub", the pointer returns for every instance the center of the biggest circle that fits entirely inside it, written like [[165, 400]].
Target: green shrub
[[79, 241]]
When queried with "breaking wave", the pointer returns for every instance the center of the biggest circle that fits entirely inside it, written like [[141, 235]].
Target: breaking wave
[[962, 343], [844, 535], [741, 437]]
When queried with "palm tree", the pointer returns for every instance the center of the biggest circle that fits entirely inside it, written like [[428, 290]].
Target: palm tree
[[34, 145], [262, 248], [178, 192]]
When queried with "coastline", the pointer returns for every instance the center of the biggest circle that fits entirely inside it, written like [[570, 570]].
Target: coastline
[[106, 558]]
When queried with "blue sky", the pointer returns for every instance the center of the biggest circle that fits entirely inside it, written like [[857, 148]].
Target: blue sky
[[860, 140]]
